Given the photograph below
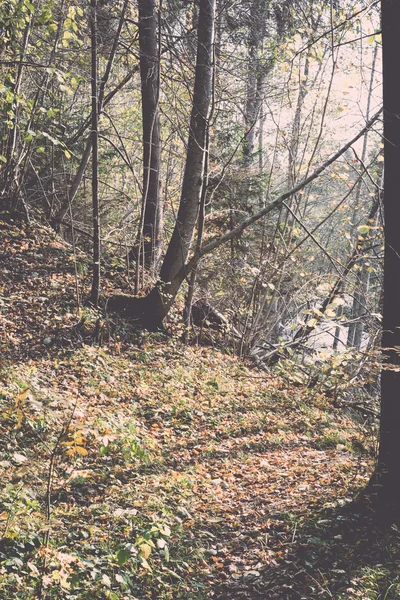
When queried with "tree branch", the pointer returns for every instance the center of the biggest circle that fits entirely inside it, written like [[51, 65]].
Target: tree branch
[[237, 231]]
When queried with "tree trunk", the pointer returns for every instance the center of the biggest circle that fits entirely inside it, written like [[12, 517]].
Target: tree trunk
[[359, 329], [254, 76], [359, 309], [388, 470], [10, 181], [336, 338], [94, 294], [148, 248], [179, 246], [151, 310], [260, 64]]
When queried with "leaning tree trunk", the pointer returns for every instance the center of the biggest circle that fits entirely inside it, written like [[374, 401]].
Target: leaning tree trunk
[[151, 310], [171, 275], [388, 470], [148, 247], [182, 236]]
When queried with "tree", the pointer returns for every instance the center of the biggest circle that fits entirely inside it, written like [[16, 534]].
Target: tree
[[387, 477], [150, 227], [356, 328], [56, 216], [260, 62], [151, 310], [94, 294], [261, 68]]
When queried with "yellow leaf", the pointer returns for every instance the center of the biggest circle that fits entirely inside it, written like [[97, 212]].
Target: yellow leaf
[[81, 450], [78, 438], [165, 530], [145, 564], [145, 551], [23, 395]]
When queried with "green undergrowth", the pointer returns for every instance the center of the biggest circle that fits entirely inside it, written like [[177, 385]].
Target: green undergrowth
[[141, 468]]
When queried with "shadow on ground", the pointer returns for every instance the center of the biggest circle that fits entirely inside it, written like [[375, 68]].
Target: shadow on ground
[[339, 554]]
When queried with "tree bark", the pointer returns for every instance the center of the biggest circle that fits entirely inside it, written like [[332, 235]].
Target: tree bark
[[95, 291], [388, 469], [179, 246], [150, 228]]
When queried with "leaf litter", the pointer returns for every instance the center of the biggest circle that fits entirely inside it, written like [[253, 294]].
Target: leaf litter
[[143, 468]]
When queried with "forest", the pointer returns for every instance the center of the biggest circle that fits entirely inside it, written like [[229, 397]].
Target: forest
[[199, 299]]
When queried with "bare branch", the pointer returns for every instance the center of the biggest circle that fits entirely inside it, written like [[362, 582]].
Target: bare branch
[[237, 231]]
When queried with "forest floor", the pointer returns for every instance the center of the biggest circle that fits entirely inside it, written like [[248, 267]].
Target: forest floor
[[138, 467]]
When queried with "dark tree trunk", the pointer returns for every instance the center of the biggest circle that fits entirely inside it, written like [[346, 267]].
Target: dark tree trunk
[[147, 312], [182, 236], [156, 305], [388, 470], [148, 249], [94, 294]]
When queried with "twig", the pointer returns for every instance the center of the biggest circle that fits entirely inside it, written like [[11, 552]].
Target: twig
[[53, 458]]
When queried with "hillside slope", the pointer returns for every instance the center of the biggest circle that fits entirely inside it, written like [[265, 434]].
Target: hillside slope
[[141, 468]]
